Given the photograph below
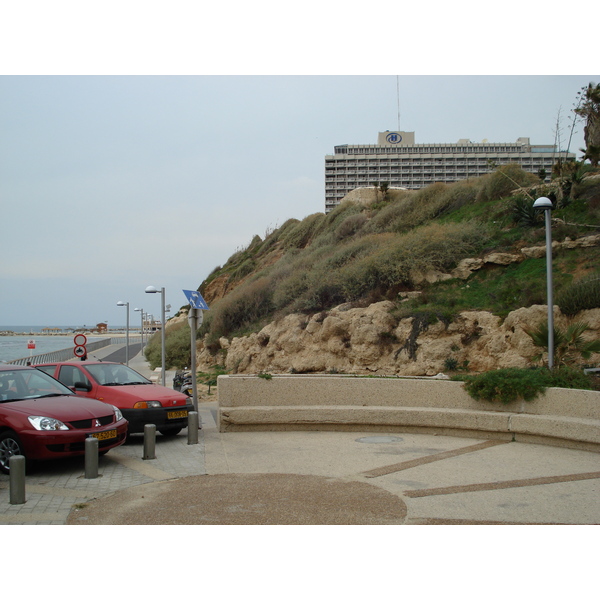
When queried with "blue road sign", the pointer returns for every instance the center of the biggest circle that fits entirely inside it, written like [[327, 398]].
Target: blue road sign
[[195, 299]]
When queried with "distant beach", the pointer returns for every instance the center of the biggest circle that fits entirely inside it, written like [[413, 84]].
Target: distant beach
[[54, 330], [14, 340]]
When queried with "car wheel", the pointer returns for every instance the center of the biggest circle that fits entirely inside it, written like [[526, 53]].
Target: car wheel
[[170, 432], [10, 445]]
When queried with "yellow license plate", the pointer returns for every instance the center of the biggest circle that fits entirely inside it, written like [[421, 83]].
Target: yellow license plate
[[177, 414], [105, 435]]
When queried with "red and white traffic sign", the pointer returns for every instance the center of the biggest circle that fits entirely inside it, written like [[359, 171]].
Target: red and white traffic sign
[[80, 339], [31, 345]]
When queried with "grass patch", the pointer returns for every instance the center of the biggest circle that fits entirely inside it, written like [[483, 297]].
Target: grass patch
[[500, 289]]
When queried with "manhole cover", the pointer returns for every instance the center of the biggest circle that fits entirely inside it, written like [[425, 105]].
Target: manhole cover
[[379, 439]]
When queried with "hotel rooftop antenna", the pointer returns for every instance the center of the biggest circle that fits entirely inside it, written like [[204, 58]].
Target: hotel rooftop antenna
[[398, 96]]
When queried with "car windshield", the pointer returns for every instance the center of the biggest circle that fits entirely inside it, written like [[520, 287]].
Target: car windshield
[[114, 374], [25, 384]]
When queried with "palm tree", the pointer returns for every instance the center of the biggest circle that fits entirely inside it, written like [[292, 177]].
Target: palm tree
[[384, 186], [569, 344]]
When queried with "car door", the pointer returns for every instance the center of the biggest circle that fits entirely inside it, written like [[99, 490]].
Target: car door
[[75, 378]]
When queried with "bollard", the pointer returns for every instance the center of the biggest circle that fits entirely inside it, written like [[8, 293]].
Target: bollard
[[192, 428], [91, 457], [17, 479], [149, 441]]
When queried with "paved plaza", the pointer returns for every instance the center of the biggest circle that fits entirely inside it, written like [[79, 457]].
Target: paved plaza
[[314, 477]]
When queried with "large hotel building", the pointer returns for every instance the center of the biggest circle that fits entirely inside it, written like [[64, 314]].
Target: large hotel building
[[396, 159]]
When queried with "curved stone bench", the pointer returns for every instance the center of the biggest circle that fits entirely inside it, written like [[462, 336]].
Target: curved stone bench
[[564, 417]]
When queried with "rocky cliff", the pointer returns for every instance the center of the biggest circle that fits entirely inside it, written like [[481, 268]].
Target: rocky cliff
[[370, 341]]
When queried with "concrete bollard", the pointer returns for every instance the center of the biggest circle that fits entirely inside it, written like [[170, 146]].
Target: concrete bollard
[[149, 441], [193, 423], [91, 457], [17, 479]]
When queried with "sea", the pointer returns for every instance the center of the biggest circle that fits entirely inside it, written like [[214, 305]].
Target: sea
[[14, 346]]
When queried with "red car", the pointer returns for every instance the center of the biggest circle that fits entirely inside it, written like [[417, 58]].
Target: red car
[[42, 419], [140, 400]]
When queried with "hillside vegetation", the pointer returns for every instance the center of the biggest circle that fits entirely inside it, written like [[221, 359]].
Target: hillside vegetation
[[365, 253]]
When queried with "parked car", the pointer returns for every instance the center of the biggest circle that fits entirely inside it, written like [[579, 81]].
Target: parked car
[[42, 419], [140, 400]]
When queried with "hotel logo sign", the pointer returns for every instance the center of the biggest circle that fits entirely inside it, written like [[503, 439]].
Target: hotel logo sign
[[393, 138]]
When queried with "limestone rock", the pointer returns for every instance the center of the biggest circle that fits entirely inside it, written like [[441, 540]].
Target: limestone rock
[[371, 340], [537, 251], [502, 258], [465, 267], [431, 276]]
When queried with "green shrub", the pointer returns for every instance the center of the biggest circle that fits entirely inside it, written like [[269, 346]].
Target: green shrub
[[350, 225], [178, 352], [153, 351], [412, 209], [506, 385], [244, 269], [458, 194], [394, 259], [451, 364], [342, 254], [276, 236], [567, 377], [503, 181], [337, 215], [177, 348], [241, 308], [290, 289], [387, 217], [581, 295], [322, 294], [425, 204], [302, 233], [510, 385]]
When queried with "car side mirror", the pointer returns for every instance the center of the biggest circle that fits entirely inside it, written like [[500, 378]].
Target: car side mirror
[[82, 387]]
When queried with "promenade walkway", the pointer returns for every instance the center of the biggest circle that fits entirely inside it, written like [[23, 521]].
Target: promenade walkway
[[313, 477]]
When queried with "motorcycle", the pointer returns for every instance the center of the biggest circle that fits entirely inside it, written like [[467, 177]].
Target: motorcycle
[[182, 382]]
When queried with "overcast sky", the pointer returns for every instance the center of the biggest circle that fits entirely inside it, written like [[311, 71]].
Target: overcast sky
[[111, 182]]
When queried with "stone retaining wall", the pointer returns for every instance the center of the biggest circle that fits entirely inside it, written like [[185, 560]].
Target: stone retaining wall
[[564, 417]]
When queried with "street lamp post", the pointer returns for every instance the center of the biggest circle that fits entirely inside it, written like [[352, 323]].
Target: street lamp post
[[152, 290], [141, 311], [121, 303], [546, 205]]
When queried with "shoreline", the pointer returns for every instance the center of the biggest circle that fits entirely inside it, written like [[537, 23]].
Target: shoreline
[[112, 333]]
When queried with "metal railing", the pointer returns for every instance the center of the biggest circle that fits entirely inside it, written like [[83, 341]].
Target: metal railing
[[67, 353]]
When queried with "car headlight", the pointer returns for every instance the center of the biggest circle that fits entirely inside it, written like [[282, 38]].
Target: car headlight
[[148, 404], [47, 424], [118, 414]]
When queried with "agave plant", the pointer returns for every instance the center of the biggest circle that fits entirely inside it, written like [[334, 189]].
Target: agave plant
[[569, 343], [524, 214]]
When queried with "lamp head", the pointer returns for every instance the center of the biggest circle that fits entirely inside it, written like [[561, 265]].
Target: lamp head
[[151, 290], [543, 203], [121, 303]]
